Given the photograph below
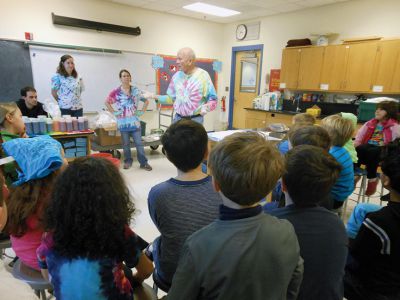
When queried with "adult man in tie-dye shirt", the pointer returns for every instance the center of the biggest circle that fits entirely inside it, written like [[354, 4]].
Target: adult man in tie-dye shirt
[[190, 90]]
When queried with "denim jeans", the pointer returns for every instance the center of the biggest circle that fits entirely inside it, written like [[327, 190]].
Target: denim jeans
[[137, 139], [72, 113], [199, 119]]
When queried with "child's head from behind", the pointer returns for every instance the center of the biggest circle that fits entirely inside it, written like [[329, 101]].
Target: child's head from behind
[[340, 129], [185, 144], [303, 119], [310, 173], [309, 135], [386, 110], [11, 118], [245, 167], [89, 210], [391, 172]]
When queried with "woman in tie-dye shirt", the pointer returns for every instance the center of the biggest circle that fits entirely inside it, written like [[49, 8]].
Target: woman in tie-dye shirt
[[124, 103], [190, 90], [67, 86]]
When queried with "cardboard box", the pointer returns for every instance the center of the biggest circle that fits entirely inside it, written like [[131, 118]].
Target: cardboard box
[[103, 137]]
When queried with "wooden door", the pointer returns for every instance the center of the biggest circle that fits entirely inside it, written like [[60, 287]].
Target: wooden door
[[360, 67], [243, 97], [290, 68], [334, 68], [311, 60], [386, 65]]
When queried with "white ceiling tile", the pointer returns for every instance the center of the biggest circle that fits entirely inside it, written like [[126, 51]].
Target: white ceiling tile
[[287, 7], [136, 3], [314, 3], [160, 7]]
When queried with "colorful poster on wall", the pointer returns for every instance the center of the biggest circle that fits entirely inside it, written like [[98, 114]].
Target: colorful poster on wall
[[165, 73], [274, 80]]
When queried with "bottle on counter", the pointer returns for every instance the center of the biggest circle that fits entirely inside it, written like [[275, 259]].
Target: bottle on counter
[[75, 124], [49, 123], [63, 125]]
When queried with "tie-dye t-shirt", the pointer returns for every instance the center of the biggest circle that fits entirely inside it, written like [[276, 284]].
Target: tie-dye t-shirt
[[125, 107], [191, 94], [377, 136], [69, 91], [87, 279]]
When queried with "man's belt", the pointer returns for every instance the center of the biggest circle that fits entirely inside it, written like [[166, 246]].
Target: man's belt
[[188, 117]]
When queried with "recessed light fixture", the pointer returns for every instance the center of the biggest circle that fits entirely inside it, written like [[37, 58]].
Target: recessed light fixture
[[211, 9]]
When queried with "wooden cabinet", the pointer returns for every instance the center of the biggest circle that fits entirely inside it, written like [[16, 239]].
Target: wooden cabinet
[[273, 117], [367, 67], [360, 67], [334, 68], [255, 119], [387, 67], [311, 60], [290, 68]]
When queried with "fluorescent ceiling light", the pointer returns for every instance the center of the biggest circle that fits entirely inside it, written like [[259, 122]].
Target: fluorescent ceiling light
[[211, 9]]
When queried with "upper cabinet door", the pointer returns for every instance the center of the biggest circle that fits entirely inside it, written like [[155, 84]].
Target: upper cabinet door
[[334, 68], [387, 67], [290, 68], [360, 67], [310, 68]]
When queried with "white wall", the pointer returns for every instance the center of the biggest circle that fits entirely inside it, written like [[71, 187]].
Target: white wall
[[161, 33], [349, 19]]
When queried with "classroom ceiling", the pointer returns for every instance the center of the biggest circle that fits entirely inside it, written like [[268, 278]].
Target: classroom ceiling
[[250, 9]]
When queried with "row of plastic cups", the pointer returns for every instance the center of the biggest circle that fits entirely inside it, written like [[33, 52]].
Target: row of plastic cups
[[42, 124]]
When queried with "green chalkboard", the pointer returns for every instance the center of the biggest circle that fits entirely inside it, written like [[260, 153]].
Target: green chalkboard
[[15, 69]]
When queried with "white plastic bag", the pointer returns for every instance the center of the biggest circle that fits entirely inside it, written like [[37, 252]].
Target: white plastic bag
[[50, 105], [105, 120]]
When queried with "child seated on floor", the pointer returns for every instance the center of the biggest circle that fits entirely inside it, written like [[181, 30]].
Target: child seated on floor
[[340, 130], [39, 161], [374, 264], [183, 204], [89, 248], [245, 254], [310, 173]]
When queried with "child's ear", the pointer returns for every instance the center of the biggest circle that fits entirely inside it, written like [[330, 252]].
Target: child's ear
[[9, 117], [216, 185]]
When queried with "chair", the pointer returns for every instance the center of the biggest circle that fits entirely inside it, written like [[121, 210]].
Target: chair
[[144, 292], [33, 278]]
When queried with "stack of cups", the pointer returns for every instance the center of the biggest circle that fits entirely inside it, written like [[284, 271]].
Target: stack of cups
[[28, 125], [42, 124]]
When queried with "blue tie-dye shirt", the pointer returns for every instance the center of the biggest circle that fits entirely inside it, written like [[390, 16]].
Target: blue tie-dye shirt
[[126, 107], [69, 91], [88, 279]]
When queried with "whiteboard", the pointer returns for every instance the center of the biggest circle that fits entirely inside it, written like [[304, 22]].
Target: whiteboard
[[99, 72]]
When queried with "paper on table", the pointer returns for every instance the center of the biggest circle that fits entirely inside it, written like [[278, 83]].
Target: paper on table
[[220, 135]]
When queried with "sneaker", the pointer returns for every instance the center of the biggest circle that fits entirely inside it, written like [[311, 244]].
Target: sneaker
[[356, 180], [371, 187], [127, 165], [146, 167]]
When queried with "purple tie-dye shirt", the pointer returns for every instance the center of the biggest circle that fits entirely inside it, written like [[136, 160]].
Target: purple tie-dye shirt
[[191, 94], [126, 107]]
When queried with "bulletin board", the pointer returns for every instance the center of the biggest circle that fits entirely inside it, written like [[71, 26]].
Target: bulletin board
[[165, 73]]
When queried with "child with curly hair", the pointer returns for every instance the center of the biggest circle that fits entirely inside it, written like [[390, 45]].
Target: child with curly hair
[[89, 248]]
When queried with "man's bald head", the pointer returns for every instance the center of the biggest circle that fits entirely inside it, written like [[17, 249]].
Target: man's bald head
[[186, 60]]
